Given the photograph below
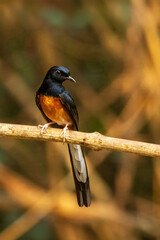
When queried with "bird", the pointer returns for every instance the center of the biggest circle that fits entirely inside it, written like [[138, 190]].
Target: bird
[[58, 108]]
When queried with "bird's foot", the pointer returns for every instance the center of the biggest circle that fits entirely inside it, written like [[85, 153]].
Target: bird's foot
[[44, 127], [64, 132]]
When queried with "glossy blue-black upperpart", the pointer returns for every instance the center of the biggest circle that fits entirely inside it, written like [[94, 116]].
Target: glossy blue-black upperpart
[[62, 69], [58, 71], [52, 83], [58, 74]]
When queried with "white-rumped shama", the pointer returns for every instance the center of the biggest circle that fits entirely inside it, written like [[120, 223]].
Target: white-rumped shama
[[57, 107]]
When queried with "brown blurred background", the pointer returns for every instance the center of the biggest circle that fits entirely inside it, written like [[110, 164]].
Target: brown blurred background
[[112, 49]]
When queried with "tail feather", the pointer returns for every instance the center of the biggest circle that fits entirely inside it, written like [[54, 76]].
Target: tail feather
[[80, 175]]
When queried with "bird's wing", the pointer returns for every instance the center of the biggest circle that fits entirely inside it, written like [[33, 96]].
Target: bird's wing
[[68, 102]]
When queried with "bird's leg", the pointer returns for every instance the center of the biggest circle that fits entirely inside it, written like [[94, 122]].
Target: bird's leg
[[64, 132], [44, 127]]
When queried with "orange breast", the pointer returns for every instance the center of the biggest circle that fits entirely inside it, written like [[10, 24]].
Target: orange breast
[[54, 110]]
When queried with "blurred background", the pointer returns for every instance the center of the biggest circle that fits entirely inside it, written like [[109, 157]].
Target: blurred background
[[112, 49]]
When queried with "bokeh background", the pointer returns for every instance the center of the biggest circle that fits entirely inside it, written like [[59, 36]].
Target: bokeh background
[[112, 49]]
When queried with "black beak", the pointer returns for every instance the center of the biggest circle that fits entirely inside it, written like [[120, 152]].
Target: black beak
[[71, 79]]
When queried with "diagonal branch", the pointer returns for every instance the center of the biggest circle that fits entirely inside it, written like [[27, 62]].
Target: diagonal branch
[[93, 140]]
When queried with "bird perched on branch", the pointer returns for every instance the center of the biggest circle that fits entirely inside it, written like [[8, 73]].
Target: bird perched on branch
[[57, 107]]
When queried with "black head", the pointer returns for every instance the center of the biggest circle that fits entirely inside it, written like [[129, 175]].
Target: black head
[[59, 74]]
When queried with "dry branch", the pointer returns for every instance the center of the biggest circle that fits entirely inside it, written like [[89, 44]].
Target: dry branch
[[93, 140]]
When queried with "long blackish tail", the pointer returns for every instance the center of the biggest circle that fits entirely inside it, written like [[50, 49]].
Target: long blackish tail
[[80, 175]]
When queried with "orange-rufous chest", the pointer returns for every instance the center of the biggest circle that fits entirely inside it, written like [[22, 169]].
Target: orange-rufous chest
[[54, 110]]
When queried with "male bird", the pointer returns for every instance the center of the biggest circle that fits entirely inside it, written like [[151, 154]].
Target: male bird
[[57, 107]]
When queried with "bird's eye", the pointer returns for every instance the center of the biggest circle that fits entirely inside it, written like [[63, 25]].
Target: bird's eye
[[58, 72]]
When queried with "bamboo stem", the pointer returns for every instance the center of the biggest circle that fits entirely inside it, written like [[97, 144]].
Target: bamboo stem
[[93, 140]]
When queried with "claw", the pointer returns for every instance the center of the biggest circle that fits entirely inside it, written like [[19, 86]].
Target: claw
[[64, 132], [44, 127]]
